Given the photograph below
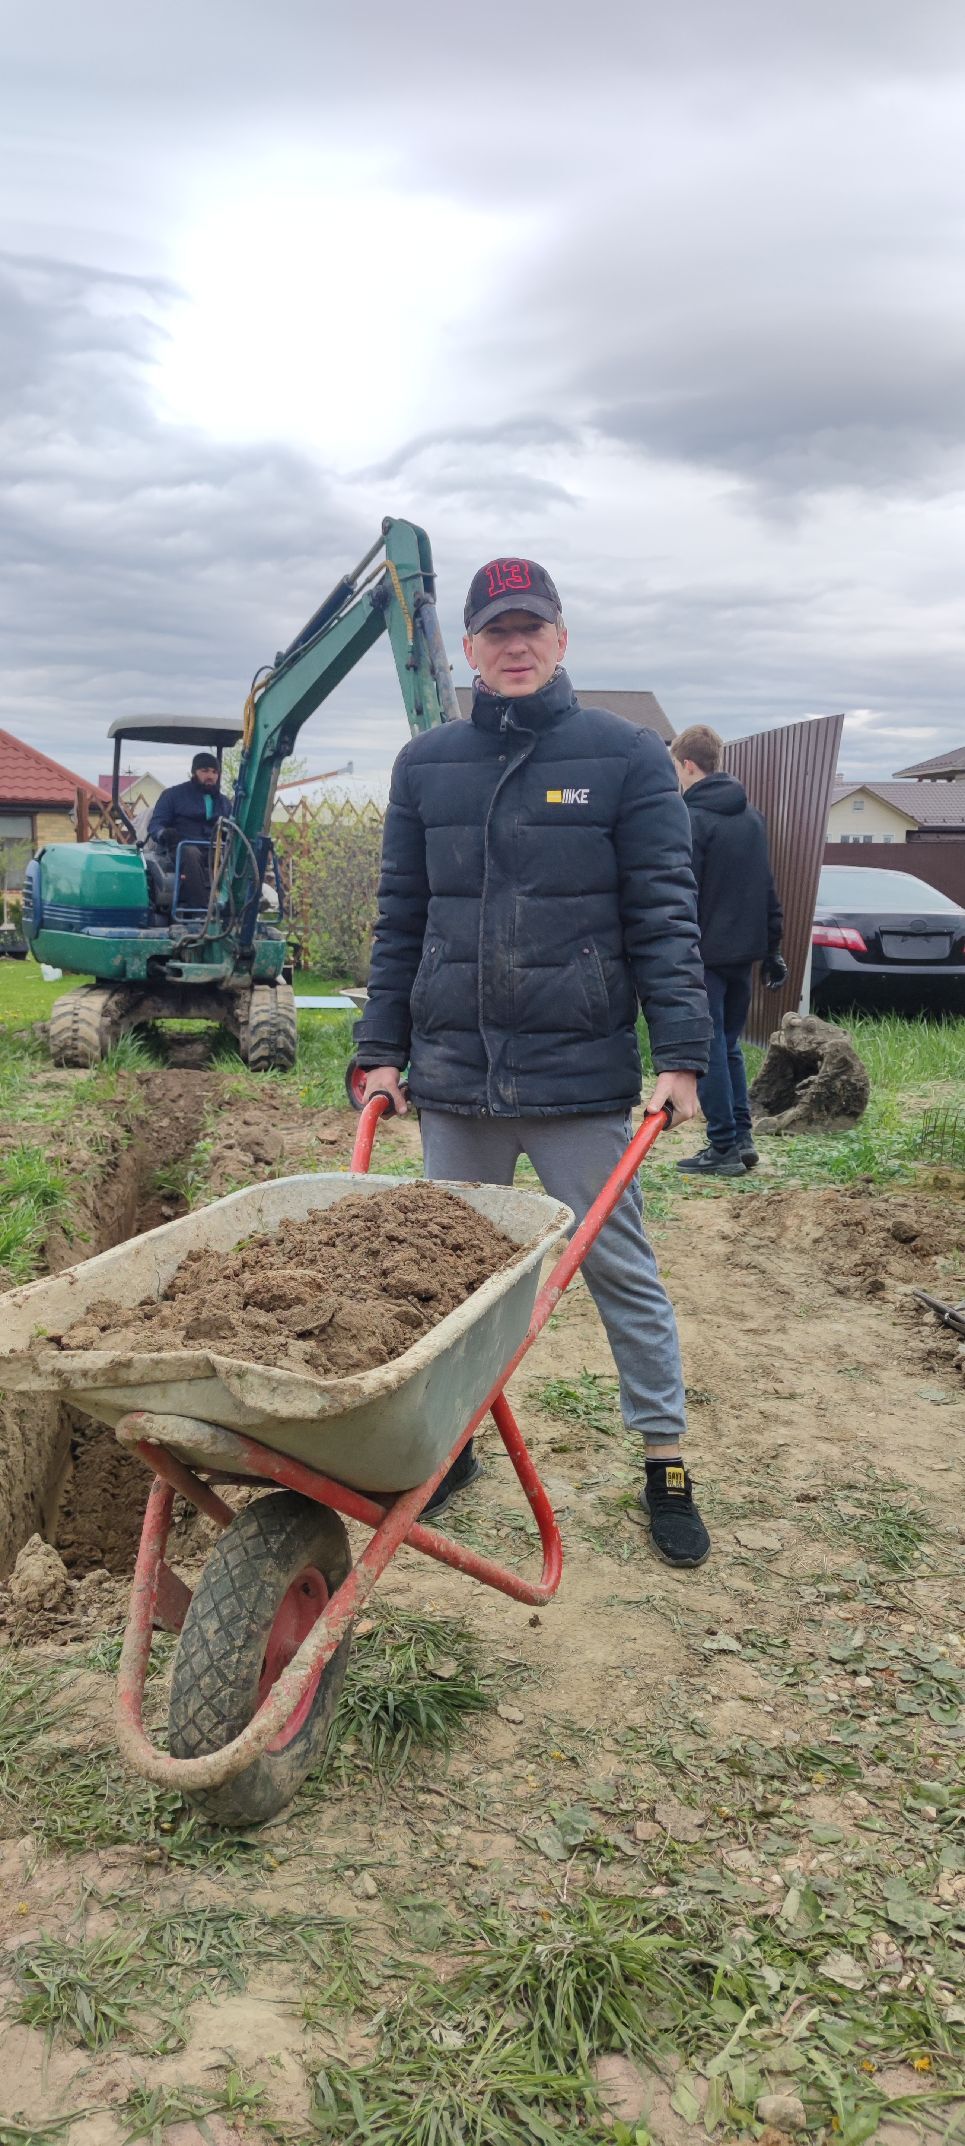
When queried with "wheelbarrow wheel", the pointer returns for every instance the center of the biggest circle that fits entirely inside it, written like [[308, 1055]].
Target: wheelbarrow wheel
[[263, 1587]]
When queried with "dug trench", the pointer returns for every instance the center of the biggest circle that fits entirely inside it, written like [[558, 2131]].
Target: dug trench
[[62, 1475]]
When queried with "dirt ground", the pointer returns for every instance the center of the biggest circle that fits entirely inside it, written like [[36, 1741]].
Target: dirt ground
[[751, 1739]]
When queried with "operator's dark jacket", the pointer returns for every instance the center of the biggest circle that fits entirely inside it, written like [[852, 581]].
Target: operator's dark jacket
[[741, 918], [179, 815], [536, 883]]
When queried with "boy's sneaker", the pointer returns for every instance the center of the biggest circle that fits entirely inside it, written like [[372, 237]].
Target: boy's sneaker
[[748, 1152], [464, 1471], [676, 1528], [715, 1162]]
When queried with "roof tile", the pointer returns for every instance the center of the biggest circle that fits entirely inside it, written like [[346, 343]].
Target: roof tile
[[29, 777]]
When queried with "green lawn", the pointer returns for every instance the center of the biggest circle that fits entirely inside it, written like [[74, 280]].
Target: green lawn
[[24, 995]]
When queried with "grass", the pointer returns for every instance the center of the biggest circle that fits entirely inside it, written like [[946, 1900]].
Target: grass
[[24, 994], [591, 1401], [911, 1064], [83, 1800], [49, 2133], [137, 1982], [411, 1683], [707, 1992], [33, 1193], [881, 1521], [32, 1701], [93, 1990], [489, 2096], [149, 2111]]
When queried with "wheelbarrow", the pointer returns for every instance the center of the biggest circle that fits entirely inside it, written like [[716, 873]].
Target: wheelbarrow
[[264, 1638]]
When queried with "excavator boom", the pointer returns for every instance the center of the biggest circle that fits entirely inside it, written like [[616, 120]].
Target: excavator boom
[[398, 598]]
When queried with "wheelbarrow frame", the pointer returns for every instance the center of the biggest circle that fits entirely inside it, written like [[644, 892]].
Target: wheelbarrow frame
[[158, 1596]]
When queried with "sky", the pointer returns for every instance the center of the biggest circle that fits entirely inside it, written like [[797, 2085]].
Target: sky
[[668, 298]]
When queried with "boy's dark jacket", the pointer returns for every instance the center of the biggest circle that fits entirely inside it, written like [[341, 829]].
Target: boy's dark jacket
[[536, 885], [740, 915]]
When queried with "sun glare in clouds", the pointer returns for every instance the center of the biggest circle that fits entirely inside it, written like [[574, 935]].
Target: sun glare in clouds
[[327, 313]]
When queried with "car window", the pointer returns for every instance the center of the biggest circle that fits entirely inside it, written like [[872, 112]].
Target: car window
[[856, 886]]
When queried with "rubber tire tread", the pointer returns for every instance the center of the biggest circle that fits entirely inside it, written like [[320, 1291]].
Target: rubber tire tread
[[82, 1026], [270, 1040], [218, 1663]]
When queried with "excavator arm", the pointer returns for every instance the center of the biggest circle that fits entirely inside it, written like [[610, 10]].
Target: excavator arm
[[391, 590]]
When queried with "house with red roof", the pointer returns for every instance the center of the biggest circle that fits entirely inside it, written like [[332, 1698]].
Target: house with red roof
[[37, 795]]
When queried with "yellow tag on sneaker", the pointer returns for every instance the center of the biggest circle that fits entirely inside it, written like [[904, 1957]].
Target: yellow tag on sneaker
[[676, 1479]]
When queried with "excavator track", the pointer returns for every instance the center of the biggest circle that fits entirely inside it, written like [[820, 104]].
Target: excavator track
[[85, 1025], [269, 1034]]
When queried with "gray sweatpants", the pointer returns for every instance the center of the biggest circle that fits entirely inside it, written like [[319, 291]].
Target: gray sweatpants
[[573, 1157]]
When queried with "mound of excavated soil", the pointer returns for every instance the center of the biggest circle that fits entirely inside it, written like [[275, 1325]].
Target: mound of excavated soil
[[343, 1291], [855, 1236]]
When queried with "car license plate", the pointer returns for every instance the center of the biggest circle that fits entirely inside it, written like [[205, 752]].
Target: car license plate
[[916, 946]]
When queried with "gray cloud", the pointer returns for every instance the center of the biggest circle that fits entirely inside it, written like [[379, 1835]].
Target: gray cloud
[[719, 384], [142, 565]]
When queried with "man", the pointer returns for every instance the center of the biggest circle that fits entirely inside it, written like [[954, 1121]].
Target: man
[[535, 885], [741, 922], [187, 812]]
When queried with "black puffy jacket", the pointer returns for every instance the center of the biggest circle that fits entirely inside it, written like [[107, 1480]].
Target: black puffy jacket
[[181, 814], [536, 882], [741, 918]]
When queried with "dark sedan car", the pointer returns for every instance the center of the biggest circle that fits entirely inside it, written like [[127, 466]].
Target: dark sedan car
[[884, 939]]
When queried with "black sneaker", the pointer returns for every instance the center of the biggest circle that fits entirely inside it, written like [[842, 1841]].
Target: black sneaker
[[464, 1471], [715, 1162], [676, 1528], [748, 1152]]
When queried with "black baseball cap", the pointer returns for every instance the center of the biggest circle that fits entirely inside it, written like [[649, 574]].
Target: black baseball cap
[[511, 585], [204, 760]]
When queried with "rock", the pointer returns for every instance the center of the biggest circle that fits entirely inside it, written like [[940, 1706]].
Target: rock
[[262, 1146], [365, 1887], [903, 1231], [623, 2090], [785, 2111], [758, 1539], [842, 1967], [812, 1079], [679, 1819], [511, 1714], [39, 1578]]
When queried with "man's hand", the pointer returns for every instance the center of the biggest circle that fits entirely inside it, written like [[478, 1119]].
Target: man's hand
[[386, 1080], [680, 1089], [773, 972]]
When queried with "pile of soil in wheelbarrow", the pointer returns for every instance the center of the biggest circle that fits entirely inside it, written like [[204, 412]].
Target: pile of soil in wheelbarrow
[[345, 1290]]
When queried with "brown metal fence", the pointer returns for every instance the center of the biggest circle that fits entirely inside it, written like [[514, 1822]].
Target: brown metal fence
[[941, 863], [789, 775]]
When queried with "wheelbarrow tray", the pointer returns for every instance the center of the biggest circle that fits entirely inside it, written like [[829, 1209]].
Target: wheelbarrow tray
[[381, 1430]]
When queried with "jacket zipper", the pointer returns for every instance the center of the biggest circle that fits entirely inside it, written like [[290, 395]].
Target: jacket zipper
[[504, 724]]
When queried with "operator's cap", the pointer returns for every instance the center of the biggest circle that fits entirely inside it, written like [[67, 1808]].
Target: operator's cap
[[511, 585], [204, 760]]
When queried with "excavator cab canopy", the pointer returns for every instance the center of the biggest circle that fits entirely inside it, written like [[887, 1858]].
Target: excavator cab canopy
[[197, 731]]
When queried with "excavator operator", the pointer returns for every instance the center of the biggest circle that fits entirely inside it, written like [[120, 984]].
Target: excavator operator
[[188, 812]]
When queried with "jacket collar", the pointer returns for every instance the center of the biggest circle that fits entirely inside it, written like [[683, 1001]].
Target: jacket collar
[[535, 711]]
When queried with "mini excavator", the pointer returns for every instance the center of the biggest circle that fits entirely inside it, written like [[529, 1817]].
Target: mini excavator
[[110, 909]]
